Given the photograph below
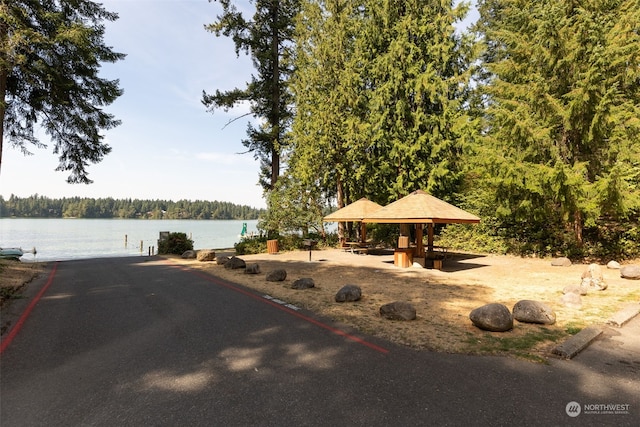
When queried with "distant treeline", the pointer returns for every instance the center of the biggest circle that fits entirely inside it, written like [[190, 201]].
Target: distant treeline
[[76, 207]]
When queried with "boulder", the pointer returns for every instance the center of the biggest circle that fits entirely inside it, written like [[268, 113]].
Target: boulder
[[592, 278], [191, 254], [304, 283], [206, 255], [349, 293], [398, 310], [529, 311], [252, 269], [561, 262], [576, 289], [630, 272], [277, 275], [235, 263], [614, 265], [222, 260], [571, 300], [493, 317]]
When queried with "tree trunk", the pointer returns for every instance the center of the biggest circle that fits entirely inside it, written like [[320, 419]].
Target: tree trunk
[[340, 196], [577, 227], [275, 166], [275, 95]]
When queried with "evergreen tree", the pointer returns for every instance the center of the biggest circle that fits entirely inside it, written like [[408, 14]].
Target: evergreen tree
[[50, 56], [563, 113], [418, 72], [380, 89], [327, 130], [267, 38], [43, 207], [291, 208]]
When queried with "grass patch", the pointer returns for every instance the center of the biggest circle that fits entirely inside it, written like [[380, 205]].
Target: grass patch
[[633, 296], [522, 346], [572, 328]]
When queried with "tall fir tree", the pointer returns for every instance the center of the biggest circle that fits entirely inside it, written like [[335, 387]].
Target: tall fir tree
[[267, 38], [50, 57], [380, 89], [563, 114], [418, 74], [328, 128], [328, 96]]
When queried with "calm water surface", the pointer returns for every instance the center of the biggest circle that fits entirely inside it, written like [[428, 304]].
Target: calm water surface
[[64, 239]]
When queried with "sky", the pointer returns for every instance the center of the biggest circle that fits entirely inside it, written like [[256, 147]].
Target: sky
[[168, 146]]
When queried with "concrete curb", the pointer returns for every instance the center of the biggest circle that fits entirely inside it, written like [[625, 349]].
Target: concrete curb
[[577, 343], [580, 341], [624, 315]]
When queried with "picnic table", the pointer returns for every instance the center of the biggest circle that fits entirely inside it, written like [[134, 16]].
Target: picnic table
[[437, 254], [358, 248]]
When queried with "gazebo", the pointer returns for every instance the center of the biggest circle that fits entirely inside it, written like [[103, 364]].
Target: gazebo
[[420, 207], [355, 212]]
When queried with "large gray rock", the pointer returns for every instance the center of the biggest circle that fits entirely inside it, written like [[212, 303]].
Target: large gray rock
[[561, 262], [304, 283], [630, 272], [349, 293], [614, 265], [252, 269], [206, 255], [571, 300], [235, 263], [493, 317], [277, 275], [592, 278], [190, 254], [576, 289], [222, 260], [398, 310], [529, 311]]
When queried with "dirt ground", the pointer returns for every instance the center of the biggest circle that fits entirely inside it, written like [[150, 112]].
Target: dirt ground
[[14, 275], [443, 299]]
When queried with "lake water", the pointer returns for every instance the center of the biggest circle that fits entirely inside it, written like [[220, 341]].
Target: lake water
[[65, 239]]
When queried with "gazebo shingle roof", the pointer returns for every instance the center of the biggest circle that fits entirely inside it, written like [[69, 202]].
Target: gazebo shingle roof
[[356, 211], [421, 207]]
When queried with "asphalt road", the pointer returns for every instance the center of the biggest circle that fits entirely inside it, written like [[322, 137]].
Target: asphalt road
[[138, 341]]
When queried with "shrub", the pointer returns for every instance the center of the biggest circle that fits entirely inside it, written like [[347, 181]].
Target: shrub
[[175, 243], [254, 245], [286, 242]]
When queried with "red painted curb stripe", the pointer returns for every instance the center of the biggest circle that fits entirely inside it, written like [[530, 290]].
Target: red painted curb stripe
[[16, 328], [336, 331]]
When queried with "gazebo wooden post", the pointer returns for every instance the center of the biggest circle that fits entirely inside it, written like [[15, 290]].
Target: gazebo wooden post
[[419, 242], [363, 232], [430, 239]]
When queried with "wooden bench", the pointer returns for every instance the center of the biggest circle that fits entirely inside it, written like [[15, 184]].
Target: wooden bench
[[437, 256]]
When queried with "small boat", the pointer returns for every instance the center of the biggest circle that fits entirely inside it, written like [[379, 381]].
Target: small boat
[[14, 253]]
